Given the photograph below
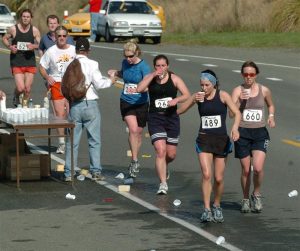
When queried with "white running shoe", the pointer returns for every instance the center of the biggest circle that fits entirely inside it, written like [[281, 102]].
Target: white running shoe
[[61, 149], [163, 188]]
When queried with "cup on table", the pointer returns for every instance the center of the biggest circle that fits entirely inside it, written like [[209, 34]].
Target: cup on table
[[200, 96], [246, 93]]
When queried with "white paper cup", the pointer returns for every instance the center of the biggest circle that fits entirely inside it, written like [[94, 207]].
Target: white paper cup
[[201, 93], [177, 202], [220, 240], [247, 92], [293, 193], [70, 196]]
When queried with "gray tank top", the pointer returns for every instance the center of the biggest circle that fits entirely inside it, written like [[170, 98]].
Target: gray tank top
[[253, 113]]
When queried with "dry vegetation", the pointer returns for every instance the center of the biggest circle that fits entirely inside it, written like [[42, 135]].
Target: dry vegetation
[[197, 16]]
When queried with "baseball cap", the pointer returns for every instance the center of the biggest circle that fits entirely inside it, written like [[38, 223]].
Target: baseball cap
[[82, 44]]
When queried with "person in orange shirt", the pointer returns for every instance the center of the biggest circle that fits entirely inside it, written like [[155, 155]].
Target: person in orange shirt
[[95, 6]]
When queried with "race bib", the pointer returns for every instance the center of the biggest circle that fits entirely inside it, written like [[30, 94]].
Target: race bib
[[162, 103], [209, 122], [128, 87], [252, 115], [22, 46], [61, 67]]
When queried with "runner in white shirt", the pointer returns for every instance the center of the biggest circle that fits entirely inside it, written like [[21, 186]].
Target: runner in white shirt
[[52, 67]]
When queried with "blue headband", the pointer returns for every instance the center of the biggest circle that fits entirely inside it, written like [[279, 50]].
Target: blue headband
[[209, 77]]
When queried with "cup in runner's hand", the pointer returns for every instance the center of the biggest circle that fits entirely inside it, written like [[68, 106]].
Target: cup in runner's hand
[[246, 93], [200, 96]]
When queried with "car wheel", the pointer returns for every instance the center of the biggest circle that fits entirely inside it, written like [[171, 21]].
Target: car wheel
[[108, 38], [142, 40], [156, 40]]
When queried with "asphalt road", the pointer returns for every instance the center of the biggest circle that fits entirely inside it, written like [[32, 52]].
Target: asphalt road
[[38, 217]]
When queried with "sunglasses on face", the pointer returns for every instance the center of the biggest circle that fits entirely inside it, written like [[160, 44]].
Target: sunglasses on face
[[129, 56], [251, 75], [61, 35]]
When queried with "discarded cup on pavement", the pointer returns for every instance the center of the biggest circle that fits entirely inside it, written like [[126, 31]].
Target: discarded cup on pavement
[[70, 196], [81, 177], [128, 181], [89, 176], [123, 188], [220, 240], [120, 176], [177, 202], [84, 172], [293, 193]]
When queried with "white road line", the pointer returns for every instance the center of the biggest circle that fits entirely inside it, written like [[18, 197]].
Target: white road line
[[210, 65], [236, 71], [145, 204], [203, 57], [182, 59], [275, 79]]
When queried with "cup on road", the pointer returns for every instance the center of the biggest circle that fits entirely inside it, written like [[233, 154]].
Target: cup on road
[[293, 193], [246, 93], [200, 96], [220, 240], [70, 196], [177, 202]]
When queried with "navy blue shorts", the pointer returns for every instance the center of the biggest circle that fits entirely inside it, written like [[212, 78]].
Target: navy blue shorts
[[140, 111], [164, 126], [251, 139], [219, 145]]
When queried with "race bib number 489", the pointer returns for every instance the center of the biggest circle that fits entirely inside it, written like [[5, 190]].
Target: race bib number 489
[[162, 103], [209, 122], [252, 115]]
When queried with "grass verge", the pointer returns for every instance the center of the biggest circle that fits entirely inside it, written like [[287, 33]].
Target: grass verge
[[235, 39]]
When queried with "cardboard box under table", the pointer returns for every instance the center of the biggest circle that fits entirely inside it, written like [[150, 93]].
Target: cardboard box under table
[[37, 126]]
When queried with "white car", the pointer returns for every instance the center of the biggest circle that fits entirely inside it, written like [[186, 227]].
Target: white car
[[128, 18], [6, 18]]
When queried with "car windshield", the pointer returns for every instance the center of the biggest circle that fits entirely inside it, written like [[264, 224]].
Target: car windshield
[[3, 10], [129, 8]]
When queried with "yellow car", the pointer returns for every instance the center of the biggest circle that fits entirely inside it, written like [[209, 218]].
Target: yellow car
[[79, 24]]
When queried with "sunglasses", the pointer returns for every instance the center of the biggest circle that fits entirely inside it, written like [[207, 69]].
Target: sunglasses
[[251, 75], [129, 56], [61, 35]]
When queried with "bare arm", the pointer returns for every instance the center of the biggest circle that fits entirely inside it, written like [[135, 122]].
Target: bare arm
[[50, 80], [37, 39], [233, 109], [180, 85], [143, 85], [235, 99], [186, 105], [5, 39], [271, 108]]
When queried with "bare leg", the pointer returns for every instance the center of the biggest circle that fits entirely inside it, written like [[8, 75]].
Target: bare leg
[[258, 165], [246, 176], [219, 164]]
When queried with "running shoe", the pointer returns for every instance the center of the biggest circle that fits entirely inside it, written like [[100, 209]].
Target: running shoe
[[97, 176], [217, 214], [206, 216], [134, 168], [245, 206], [256, 203], [68, 179], [163, 189], [61, 149]]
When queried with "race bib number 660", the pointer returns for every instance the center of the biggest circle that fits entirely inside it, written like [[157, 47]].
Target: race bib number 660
[[252, 115], [209, 122]]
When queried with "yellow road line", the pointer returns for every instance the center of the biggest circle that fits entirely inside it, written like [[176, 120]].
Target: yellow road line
[[291, 142]]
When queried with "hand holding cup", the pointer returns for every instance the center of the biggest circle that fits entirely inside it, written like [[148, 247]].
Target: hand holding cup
[[200, 96], [245, 93]]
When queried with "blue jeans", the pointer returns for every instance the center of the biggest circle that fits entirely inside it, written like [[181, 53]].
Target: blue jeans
[[94, 21], [85, 114]]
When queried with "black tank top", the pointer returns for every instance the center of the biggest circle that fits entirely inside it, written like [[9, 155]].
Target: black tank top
[[213, 115], [160, 94], [23, 58]]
